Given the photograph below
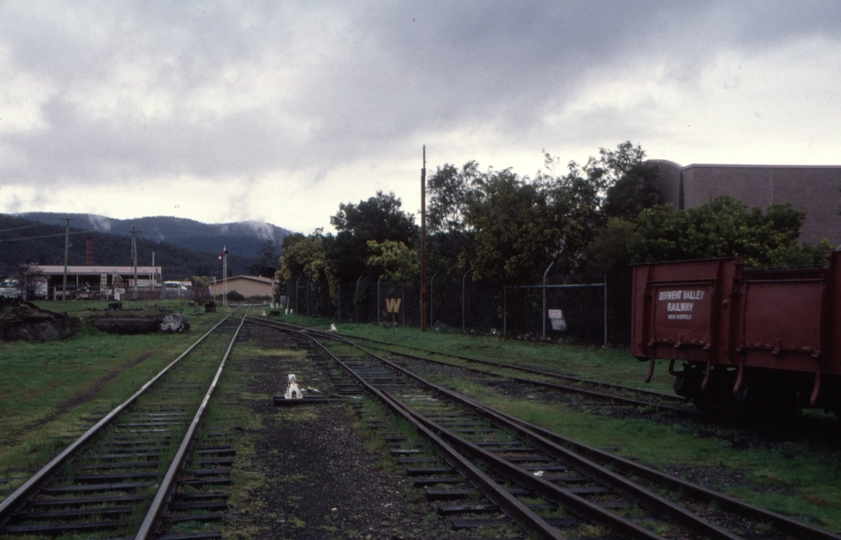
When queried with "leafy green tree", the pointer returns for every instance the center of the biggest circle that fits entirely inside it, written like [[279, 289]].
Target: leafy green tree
[[610, 250], [305, 256], [632, 193], [450, 191], [724, 227], [393, 261], [379, 219], [500, 224], [574, 218], [618, 183], [514, 227]]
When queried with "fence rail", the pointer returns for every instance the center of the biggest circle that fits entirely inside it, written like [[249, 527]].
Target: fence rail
[[596, 308]]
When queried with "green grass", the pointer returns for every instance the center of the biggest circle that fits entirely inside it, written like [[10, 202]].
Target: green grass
[[603, 363], [789, 477], [52, 392]]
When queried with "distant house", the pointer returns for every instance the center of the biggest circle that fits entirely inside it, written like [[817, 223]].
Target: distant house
[[248, 286], [814, 189]]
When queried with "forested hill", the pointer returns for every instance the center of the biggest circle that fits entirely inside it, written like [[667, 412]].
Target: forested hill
[[241, 238], [27, 241]]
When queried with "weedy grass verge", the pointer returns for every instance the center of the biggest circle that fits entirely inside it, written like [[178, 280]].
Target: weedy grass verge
[[52, 392]]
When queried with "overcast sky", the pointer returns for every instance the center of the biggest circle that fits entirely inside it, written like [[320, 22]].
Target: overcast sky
[[280, 111]]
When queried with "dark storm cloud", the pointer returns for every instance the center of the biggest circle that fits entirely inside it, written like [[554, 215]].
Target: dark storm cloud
[[162, 89]]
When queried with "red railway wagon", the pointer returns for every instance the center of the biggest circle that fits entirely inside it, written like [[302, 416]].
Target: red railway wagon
[[763, 341]]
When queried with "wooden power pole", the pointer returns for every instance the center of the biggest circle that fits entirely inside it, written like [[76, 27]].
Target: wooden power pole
[[66, 254], [424, 299], [134, 234]]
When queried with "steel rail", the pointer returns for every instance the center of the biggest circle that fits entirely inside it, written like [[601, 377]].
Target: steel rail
[[648, 499], [153, 516], [507, 503], [541, 436], [564, 388], [543, 487], [784, 523], [25, 492], [693, 413], [527, 369], [538, 485]]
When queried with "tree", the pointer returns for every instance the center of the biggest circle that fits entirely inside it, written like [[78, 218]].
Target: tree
[[574, 210], [514, 227], [268, 264], [201, 289], [724, 227], [393, 261], [31, 281], [610, 250], [632, 193], [305, 256], [450, 191], [379, 219]]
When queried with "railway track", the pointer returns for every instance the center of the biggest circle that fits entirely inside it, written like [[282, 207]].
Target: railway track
[[822, 431], [480, 463], [598, 390], [120, 479]]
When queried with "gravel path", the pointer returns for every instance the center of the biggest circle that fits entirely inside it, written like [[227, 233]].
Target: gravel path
[[318, 481]]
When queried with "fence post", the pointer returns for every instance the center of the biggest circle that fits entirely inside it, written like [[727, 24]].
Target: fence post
[[544, 297], [432, 297], [463, 303], [504, 310], [605, 310], [355, 296], [297, 294]]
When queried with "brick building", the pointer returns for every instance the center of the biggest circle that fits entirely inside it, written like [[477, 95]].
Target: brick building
[[814, 189]]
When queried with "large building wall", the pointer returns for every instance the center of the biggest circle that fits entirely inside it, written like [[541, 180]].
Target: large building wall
[[814, 189], [248, 286]]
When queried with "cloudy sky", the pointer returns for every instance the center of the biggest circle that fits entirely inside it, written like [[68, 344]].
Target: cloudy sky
[[279, 111]]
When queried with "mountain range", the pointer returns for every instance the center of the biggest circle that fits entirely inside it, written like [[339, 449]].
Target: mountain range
[[182, 247], [241, 238]]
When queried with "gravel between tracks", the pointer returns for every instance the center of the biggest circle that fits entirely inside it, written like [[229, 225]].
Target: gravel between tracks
[[318, 480]]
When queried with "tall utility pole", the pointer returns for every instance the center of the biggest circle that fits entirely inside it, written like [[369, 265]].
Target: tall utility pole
[[66, 254], [224, 257], [134, 234], [424, 299]]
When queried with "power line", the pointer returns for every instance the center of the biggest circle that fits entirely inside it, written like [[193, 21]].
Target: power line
[[26, 227], [39, 237]]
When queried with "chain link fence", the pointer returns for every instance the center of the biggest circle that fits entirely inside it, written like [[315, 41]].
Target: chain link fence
[[596, 309]]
